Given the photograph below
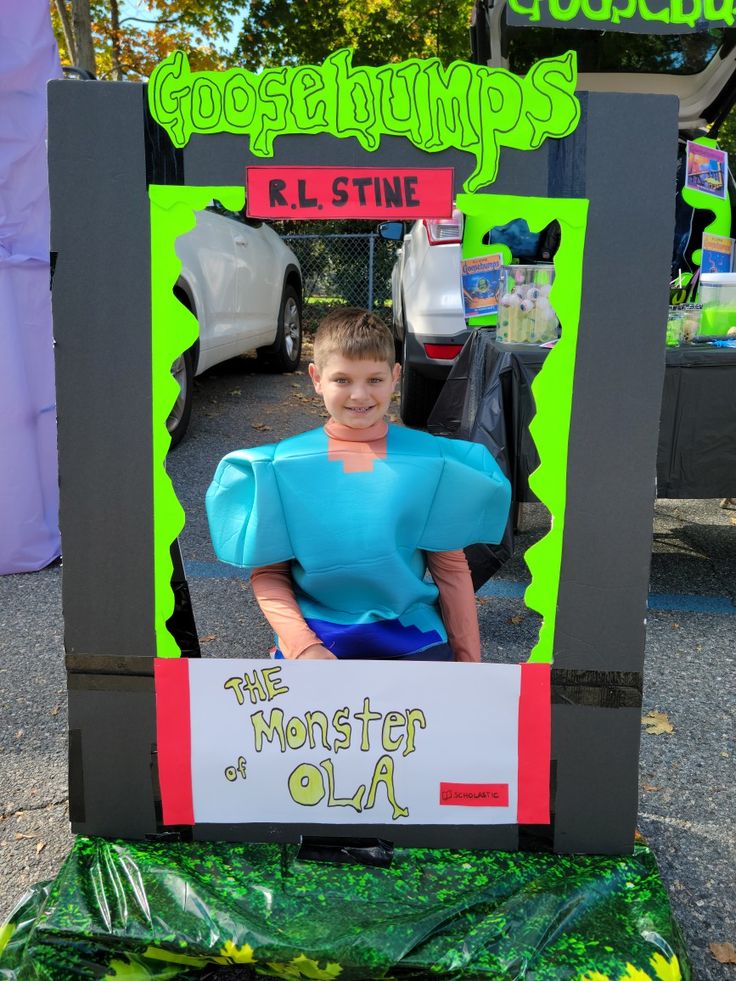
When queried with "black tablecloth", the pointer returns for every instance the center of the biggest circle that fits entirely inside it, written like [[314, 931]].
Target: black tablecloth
[[487, 397]]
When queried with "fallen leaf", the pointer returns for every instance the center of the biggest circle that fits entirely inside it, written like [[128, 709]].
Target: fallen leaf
[[208, 638], [516, 619], [235, 391], [482, 600], [639, 837], [733, 521], [19, 734], [650, 788], [656, 723], [723, 953], [55, 710], [260, 425], [19, 835], [40, 847]]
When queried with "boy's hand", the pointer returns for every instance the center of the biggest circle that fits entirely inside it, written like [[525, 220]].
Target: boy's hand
[[316, 653]]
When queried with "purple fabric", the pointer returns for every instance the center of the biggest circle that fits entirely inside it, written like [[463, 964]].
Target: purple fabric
[[29, 492]]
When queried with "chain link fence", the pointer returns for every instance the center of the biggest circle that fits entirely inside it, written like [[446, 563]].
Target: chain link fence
[[352, 269]]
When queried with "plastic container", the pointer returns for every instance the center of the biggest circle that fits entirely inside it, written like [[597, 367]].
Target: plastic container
[[683, 324], [691, 323], [674, 326], [718, 300], [525, 315]]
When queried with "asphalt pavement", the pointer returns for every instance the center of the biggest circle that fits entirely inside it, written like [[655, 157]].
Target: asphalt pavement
[[688, 775]]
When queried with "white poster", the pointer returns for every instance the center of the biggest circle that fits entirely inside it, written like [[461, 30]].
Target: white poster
[[363, 742]]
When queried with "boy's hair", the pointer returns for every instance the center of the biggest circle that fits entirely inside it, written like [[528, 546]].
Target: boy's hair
[[353, 333]]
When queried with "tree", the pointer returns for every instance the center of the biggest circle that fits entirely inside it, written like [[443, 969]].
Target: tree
[[278, 32], [727, 137], [112, 43]]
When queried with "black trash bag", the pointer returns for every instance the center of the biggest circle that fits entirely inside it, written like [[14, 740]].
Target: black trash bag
[[486, 399], [471, 382]]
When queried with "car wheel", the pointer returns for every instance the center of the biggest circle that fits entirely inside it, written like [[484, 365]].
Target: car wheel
[[177, 423], [284, 353], [418, 394]]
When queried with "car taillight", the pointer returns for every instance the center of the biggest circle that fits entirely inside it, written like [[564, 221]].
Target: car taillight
[[445, 231], [445, 352]]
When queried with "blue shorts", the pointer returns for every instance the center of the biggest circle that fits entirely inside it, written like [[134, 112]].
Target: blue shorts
[[438, 652]]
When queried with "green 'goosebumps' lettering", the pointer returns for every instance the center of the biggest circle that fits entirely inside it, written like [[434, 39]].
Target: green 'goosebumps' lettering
[[636, 14], [549, 115], [465, 107]]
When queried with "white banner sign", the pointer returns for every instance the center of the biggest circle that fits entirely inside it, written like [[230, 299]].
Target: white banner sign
[[361, 742]]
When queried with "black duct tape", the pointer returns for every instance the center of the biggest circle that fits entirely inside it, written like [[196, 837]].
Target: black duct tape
[[181, 623], [109, 664], [109, 682], [77, 810], [376, 852], [164, 162], [597, 689]]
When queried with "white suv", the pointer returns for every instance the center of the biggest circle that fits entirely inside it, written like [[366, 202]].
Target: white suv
[[428, 312], [244, 286]]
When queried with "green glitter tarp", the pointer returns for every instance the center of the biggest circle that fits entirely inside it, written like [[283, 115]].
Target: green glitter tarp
[[140, 910]]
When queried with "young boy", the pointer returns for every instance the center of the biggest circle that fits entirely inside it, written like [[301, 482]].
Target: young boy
[[339, 524]]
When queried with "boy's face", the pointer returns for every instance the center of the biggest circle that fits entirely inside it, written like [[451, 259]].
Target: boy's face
[[356, 393]]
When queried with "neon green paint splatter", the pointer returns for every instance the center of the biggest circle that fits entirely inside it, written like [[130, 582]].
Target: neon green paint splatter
[[552, 388], [173, 331], [467, 107], [720, 208]]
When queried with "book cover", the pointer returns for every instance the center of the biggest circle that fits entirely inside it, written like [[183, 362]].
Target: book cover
[[717, 254], [481, 284], [707, 168]]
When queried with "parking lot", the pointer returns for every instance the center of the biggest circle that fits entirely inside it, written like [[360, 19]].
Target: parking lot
[[688, 774]]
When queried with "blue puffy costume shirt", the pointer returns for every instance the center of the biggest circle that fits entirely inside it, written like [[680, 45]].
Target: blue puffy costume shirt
[[355, 540]]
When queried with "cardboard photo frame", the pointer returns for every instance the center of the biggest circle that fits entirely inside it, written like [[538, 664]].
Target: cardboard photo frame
[[110, 452]]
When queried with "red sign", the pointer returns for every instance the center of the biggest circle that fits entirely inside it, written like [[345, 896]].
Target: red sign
[[475, 794], [349, 192]]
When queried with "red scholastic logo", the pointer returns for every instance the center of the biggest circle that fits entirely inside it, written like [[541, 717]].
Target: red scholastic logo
[[474, 794], [349, 192]]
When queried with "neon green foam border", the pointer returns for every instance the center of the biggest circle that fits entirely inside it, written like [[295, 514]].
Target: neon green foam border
[[553, 386], [173, 330], [719, 207]]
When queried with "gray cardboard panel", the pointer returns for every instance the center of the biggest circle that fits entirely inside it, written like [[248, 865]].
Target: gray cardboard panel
[[117, 732], [618, 383], [596, 750], [223, 157], [102, 327], [102, 311]]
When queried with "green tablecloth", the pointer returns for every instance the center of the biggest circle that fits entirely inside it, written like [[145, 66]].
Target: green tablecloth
[[187, 910]]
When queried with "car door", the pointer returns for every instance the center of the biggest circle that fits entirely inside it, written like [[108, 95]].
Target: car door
[[258, 280], [209, 267]]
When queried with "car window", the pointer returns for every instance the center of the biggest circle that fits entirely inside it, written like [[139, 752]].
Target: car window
[[217, 208], [612, 51]]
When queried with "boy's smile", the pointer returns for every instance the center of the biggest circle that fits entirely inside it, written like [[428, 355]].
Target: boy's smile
[[356, 393]]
